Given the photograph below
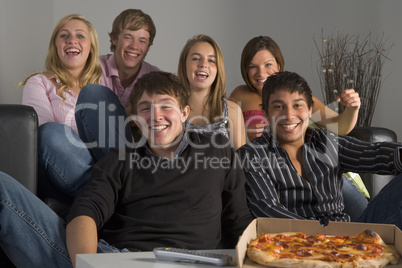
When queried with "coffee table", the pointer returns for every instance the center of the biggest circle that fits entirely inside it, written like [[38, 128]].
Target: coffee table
[[141, 260]]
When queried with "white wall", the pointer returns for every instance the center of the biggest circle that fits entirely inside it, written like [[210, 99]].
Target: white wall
[[25, 27]]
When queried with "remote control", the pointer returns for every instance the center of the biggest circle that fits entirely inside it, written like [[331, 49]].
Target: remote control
[[179, 254]]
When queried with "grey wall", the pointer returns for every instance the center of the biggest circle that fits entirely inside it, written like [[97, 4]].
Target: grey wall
[[25, 28]]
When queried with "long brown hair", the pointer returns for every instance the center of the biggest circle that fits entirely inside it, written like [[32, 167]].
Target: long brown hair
[[218, 87]]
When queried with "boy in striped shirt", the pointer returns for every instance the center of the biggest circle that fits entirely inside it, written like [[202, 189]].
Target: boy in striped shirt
[[294, 171]]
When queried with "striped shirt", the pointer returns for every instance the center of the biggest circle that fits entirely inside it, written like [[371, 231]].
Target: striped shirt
[[42, 94], [275, 189]]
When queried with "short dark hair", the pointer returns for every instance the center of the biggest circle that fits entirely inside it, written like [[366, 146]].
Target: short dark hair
[[159, 83], [289, 81]]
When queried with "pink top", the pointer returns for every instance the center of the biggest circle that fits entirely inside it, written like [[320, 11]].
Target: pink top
[[110, 77], [40, 93], [252, 117]]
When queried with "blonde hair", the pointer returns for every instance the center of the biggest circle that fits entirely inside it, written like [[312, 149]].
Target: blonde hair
[[55, 68], [218, 88]]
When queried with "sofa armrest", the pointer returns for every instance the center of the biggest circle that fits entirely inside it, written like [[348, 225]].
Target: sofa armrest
[[373, 134], [19, 143], [374, 182]]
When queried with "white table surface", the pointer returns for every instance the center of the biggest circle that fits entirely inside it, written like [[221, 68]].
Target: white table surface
[[140, 260]]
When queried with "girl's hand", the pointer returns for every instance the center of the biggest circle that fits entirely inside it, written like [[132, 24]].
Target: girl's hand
[[255, 130]]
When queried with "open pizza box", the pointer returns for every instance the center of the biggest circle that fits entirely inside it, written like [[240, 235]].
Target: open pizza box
[[391, 234]]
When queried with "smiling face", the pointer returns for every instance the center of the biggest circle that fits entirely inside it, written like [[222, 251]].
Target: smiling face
[[262, 65], [131, 49], [289, 116], [201, 66], [73, 45], [160, 119]]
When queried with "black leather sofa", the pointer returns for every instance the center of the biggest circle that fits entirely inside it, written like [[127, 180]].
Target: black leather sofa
[[374, 182]]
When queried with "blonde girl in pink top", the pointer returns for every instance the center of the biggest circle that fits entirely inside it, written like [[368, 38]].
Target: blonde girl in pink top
[[72, 62]]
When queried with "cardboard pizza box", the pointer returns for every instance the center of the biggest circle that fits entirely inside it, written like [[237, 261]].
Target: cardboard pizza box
[[391, 234]]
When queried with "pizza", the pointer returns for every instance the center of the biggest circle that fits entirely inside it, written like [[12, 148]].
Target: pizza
[[296, 249]]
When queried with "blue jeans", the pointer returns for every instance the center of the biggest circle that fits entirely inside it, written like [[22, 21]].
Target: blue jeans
[[386, 206], [64, 164], [354, 201], [101, 120], [31, 234], [65, 159]]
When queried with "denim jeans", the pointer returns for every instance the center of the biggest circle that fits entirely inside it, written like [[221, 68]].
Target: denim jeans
[[354, 201], [101, 120], [31, 234], [65, 159], [386, 206], [64, 164]]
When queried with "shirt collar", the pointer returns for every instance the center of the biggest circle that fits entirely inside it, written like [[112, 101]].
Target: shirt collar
[[114, 71]]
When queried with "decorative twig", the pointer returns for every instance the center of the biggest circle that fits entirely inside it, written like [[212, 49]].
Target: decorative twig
[[346, 62]]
